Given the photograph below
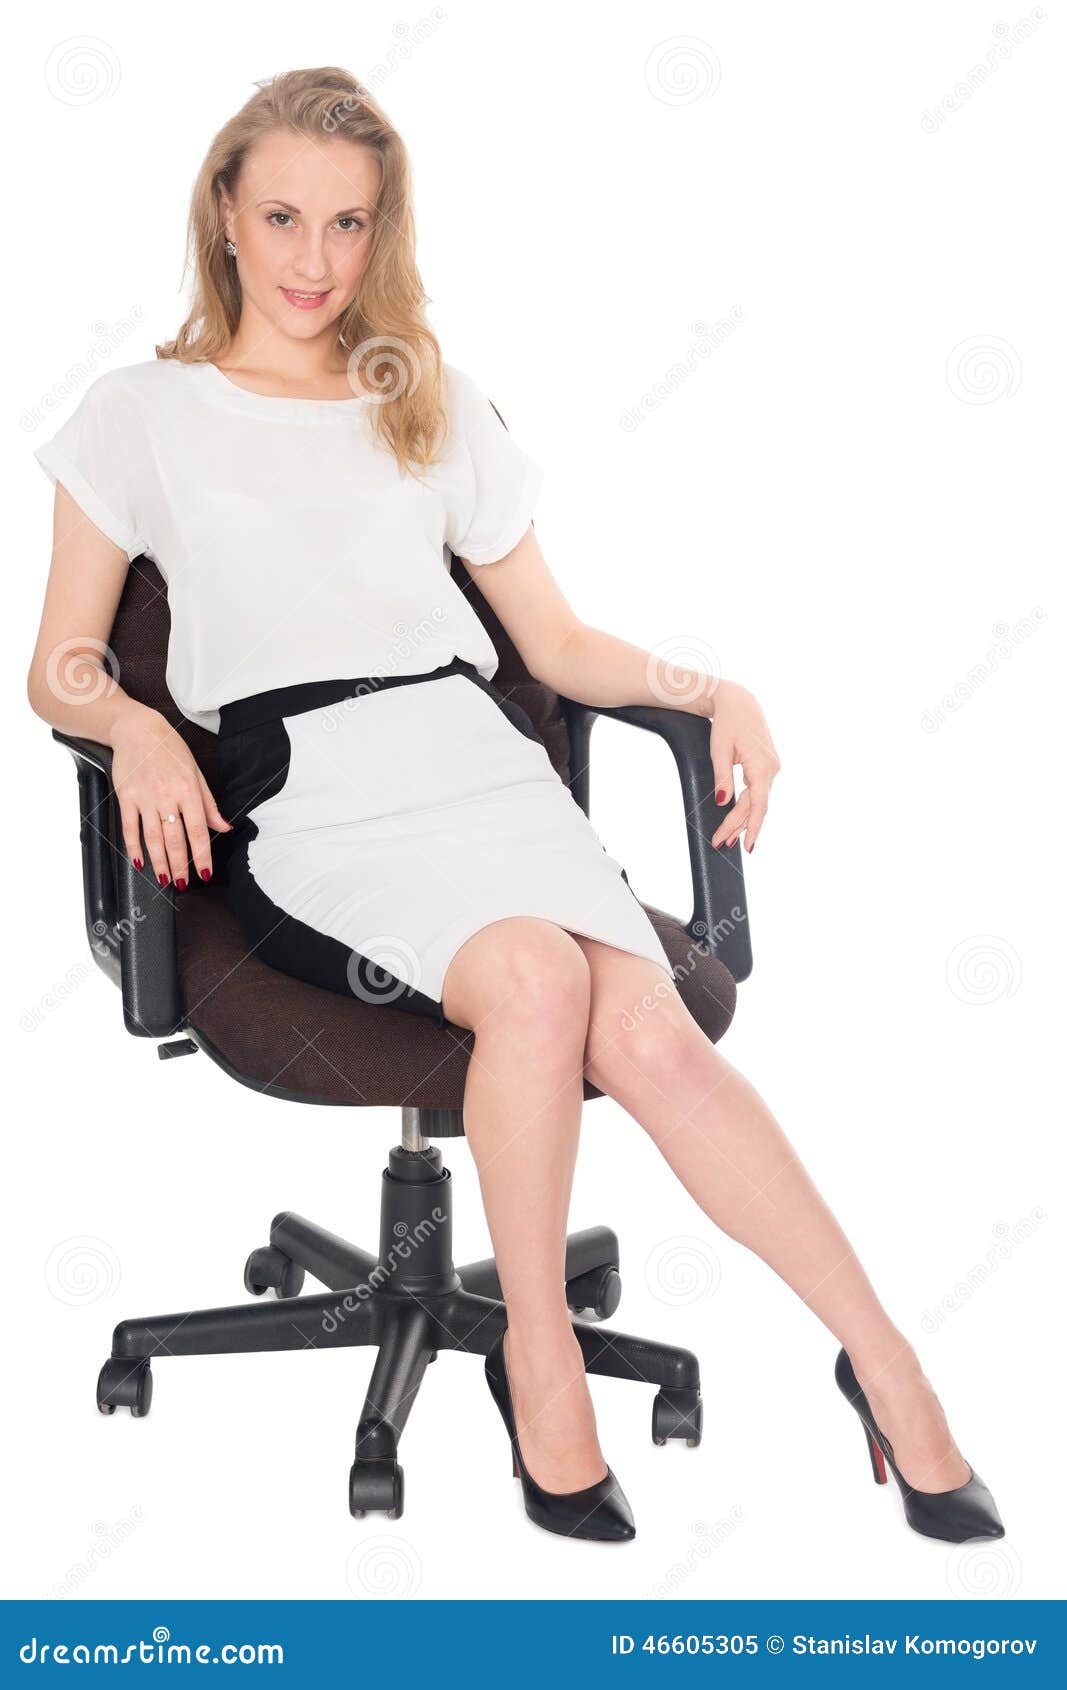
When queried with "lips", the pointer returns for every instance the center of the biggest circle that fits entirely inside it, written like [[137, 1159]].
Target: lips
[[306, 301]]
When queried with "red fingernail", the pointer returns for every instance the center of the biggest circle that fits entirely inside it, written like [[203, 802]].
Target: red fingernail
[[164, 879], [205, 874], [179, 885], [720, 796], [137, 863]]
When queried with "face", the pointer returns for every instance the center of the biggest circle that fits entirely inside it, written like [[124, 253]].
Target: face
[[301, 220]]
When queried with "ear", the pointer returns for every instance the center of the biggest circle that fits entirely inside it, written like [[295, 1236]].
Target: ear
[[225, 212]]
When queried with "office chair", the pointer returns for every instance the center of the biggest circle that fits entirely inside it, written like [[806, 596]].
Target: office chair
[[188, 979]]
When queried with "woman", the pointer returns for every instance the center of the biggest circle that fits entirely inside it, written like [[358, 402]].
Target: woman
[[295, 461]]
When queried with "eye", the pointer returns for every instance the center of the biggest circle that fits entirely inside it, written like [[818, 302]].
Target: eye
[[356, 224], [272, 214]]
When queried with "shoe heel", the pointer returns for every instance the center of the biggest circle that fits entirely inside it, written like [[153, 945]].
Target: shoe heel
[[598, 1511], [877, 1459]]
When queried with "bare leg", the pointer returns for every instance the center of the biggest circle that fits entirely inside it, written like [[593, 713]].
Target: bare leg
[[728, 1150], [522, 985]]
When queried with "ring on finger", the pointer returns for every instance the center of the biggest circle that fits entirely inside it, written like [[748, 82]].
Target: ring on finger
[[170, 818]]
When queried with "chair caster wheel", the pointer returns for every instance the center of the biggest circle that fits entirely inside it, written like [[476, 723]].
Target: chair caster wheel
[[125, 1383], [269, 1267], [677, 1414], [599, 1290], [376, 1487]]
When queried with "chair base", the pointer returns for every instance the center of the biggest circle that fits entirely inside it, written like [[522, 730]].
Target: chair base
[[410, 1302]]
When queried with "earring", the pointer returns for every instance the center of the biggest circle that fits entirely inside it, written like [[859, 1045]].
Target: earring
[[231, 249]]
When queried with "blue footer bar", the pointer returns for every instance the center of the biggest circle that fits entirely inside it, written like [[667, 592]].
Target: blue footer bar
[[542, 1643]]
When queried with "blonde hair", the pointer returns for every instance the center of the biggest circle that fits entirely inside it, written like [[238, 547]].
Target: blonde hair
[[395, 353]]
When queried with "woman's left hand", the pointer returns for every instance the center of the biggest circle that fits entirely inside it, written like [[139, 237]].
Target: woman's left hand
[[739, 734]]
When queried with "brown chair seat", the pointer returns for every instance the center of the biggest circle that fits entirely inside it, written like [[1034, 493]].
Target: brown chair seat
[[290, 1039]]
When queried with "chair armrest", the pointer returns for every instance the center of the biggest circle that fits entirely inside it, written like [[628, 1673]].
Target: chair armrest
[[720, 905], [129, 920]]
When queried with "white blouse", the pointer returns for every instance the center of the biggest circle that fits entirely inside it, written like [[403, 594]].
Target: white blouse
[[293, 547]]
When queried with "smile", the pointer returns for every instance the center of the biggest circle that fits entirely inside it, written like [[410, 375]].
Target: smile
[[305, 300]]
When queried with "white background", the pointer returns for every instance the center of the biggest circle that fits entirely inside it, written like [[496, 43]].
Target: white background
[[840, 504]]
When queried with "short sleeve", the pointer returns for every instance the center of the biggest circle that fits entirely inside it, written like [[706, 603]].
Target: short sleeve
[[92, 455], [500, 482]]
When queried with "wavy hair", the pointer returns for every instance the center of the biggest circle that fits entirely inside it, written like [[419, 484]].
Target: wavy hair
[[393, 351]]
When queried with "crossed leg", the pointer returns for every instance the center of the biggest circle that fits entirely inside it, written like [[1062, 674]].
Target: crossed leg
[[548, 1006], [726, 1147]]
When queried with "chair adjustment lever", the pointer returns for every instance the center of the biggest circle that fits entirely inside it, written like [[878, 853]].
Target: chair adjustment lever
[[176, 1047]]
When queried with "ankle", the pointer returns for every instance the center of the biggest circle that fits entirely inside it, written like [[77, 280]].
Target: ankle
[[884, 1361], [543, 1354]]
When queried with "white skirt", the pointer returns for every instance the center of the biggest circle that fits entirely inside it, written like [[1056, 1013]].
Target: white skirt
[[376, 832]]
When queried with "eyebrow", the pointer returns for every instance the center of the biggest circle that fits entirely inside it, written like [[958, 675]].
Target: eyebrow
[[350, 212]]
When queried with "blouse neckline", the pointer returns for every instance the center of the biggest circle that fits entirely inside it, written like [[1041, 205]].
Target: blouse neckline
[[276, 405]]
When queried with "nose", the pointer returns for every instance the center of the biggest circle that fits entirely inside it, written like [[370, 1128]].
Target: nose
[[311, 264]]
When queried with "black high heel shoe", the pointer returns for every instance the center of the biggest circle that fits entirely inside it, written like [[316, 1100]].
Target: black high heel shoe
[[599, 1511], [955, 1516]]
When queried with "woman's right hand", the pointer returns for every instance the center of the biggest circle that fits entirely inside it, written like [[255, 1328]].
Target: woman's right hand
[[155, 776]]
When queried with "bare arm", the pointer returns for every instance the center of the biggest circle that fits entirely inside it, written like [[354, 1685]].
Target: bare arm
[[594, 667], [69, 686]]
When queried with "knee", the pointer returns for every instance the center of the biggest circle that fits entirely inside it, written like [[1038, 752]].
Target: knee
[[663, 1048], [548, 988], [528, 980]]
